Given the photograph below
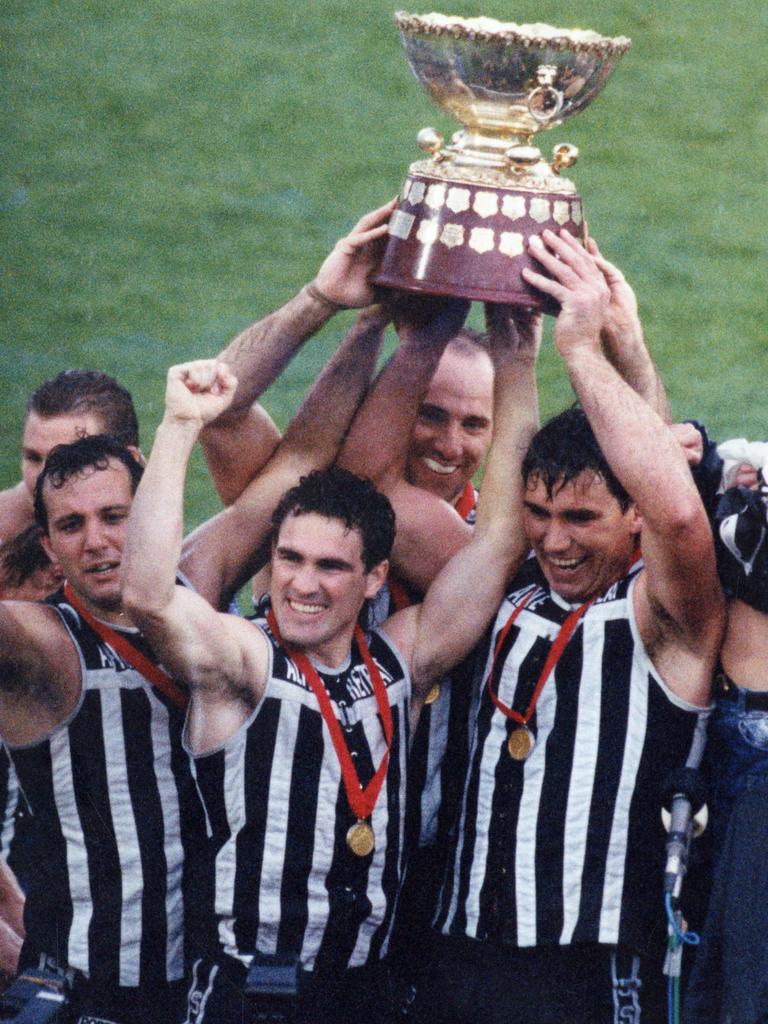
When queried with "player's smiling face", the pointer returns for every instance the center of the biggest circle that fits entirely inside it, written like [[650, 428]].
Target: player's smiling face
[[581, 537], [453, 427], [87, 521], [319, 584]]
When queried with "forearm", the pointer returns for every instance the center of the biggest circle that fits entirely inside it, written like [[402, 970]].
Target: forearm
[[378, 440], [628, 353], [321, 422], [260, 353], [156, 523], [237, 450], [637, 444]]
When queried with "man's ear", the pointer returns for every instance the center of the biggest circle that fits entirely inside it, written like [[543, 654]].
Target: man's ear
[[137, 454], [375, 578], [46, 546], [636, 518]]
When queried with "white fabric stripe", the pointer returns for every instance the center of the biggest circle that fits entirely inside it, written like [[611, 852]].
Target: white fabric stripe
[[322, 853], [525, 837], [126, 837], [174, 851], [610, 911], [495, 742], [77, 859], [582, 774], [469, 781], [11, 802], [374, 736], [404, 737], [431, 794], [278, 803], [226, 858]]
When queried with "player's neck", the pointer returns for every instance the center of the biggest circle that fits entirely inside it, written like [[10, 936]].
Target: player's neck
[[111, 612]]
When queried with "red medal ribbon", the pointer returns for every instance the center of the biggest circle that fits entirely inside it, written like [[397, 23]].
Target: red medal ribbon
[[361, 801], [467, 501], [157, 676], [555, 653]]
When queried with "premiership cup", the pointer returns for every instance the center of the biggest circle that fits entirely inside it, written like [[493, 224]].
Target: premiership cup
[[466, 213]]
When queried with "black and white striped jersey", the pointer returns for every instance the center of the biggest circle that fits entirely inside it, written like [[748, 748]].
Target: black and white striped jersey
[[568, 845], [113, 823], [434, 779], [285, 880]]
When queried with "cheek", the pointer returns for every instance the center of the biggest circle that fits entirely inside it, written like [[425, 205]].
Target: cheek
[[30, 472]]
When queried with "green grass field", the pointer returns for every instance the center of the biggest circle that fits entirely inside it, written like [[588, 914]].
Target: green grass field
[[172, 171]]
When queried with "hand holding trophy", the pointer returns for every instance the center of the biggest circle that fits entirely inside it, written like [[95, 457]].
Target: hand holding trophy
[[466, 213]]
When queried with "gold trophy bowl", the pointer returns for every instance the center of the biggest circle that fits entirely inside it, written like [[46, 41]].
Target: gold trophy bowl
[[467, 211]]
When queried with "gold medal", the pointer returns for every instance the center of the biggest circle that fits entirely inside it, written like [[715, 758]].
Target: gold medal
[[360, 839], [433, 694], [520, 743]]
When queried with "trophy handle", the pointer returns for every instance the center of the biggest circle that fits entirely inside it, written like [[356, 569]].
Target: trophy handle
[[545, 101], [564, 155]]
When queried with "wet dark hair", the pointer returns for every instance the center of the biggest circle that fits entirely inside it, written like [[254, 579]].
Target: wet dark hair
[[68, 460], [338, 494], [88, 391], [565, 447]]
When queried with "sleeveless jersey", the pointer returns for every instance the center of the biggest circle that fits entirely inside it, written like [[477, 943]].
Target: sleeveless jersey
[[567, 846], [285, 880], [113, 821], [434, 777]]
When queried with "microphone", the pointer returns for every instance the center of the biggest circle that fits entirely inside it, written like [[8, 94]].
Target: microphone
[[684, 815]]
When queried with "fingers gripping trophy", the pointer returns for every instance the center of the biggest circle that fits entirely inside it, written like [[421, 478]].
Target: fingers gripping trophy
[[467, 211]]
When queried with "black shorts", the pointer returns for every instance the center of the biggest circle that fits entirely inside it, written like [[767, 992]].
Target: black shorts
[[215, 996], [472, 982]]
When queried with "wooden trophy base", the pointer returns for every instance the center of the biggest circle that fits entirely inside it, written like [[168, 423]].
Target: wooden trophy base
[[468, 239]]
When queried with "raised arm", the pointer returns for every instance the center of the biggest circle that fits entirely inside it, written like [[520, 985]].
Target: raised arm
[[679, 588], [623, 341], [463, 598], [227, 550], [241, 440]]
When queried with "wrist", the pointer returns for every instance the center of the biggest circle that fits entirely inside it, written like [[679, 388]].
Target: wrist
[[320, 297], [179, 429]]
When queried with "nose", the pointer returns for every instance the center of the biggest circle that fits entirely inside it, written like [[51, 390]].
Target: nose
[[448, 442], [556, 539], [304, 580], [94, 538]]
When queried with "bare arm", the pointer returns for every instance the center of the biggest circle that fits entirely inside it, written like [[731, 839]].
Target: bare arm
[[40, 675], [224, 552], [461, 601], [11, 923], [241, 440], [680, 605], [378, 440], [623, 341]]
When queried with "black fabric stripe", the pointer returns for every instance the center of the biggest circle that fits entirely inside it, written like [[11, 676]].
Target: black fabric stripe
[[92, 797], [259, 757], [550, 829], [614, 715], [48, 906], [300, 832], [148, 816]]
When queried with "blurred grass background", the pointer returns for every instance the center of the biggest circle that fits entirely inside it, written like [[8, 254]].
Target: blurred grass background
[[170, 172]]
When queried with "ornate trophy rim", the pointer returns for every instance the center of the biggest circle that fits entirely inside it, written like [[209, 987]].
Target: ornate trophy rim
[[536, 36]]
